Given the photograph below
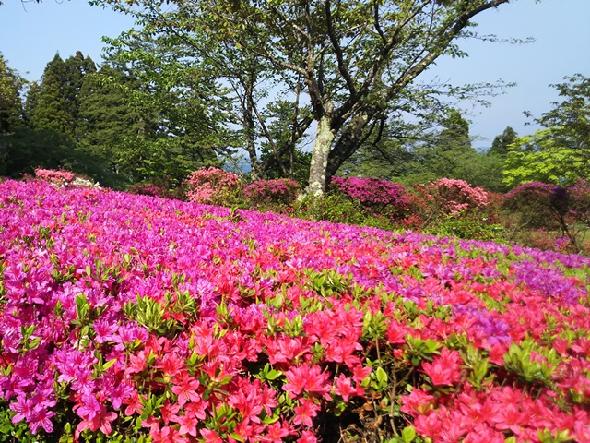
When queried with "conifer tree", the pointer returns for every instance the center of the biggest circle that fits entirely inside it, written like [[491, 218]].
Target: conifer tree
[[502, 142], [57, 99]]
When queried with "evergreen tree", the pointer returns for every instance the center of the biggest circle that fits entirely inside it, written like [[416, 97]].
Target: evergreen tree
[[49, 109], [57, 99], [455, 133], [107, 121], [502, 142], [10, 109], [77, 68]]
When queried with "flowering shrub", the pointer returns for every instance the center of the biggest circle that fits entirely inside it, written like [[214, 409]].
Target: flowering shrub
[[149, 189], [534, 203], [371, 191], [375, 194], [213, 186], [55, 176], [454, 196], [124, 318], [64, 178], [579, 199], [276, 191], [541, 207]]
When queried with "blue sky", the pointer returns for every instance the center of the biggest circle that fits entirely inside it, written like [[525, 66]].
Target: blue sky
[[31, 34]]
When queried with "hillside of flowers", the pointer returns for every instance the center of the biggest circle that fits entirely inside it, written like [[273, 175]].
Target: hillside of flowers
[[137, 318]]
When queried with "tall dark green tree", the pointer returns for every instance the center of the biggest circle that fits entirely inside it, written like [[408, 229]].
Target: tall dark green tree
[[454, 135], [107, 121], [49, 109], [180, 117], [502, 142], [57, 99]]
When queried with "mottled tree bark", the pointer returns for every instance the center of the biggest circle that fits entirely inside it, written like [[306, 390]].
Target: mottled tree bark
[[319, 158]]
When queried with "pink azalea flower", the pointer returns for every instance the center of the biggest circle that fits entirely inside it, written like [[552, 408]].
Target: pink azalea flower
[[445, 368], [306, 378], [185, 388], [305, 412]]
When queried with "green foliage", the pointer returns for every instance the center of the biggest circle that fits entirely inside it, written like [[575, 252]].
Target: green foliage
[[13, 432], [328, 282], [531, 362], [470, 226], [55, 105], [559, 152], [436, 146], [542, 157], [10, 104], [337, 207]]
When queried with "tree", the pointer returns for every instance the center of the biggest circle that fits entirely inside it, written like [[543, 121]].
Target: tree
[[56, 99], [10, 109], [244, 80], [182, 118], [10, 103], [570, 118], [543, 157], [106, 121], [559, 152], [502, 142], [355, 58]]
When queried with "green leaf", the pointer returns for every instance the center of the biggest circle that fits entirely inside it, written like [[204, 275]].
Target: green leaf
[[409, 434]]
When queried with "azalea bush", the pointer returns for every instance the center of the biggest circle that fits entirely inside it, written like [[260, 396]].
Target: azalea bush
[[377, 194], [537, 205], [60, 177], [536, 208], [278, 191], [150, 189], [454, 196], [130, 318], [55, 176], [213, 186]]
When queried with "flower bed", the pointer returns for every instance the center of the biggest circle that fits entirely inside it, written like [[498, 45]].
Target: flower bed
[[127, 316]]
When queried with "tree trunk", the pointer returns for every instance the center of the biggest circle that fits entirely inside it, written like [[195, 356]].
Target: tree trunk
[[347, 144], [319, 157], [248, 123]]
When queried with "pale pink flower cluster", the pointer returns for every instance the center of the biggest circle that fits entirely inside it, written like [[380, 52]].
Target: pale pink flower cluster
[[210, 185], [55, 176], [457, 195]]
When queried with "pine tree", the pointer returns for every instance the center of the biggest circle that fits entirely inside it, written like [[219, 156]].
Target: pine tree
[[107, 120], [502, 142], [55, 105], [49, 109], [455, 133]]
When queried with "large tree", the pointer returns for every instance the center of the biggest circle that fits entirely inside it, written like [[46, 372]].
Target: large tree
[[355, 58], [245, 80], [181, 121], [55, 103], [10, 103], [10, 109]]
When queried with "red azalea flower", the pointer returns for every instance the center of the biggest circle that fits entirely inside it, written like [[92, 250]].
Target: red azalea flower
[[445, 368], [185, 388], [305, 412], [306, 378]]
